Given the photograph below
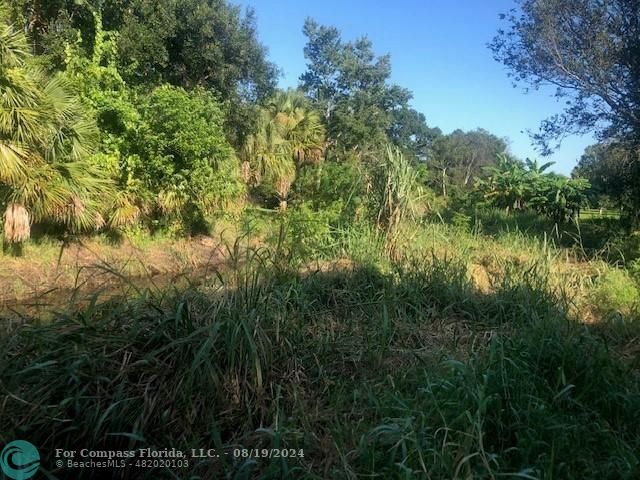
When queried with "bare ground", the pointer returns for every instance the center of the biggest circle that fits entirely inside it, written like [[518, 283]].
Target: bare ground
[[48, 274]]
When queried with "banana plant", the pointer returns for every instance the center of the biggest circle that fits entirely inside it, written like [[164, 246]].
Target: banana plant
[[513, 185]]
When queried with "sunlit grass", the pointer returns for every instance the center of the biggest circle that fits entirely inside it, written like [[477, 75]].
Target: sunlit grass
[[402, 368]]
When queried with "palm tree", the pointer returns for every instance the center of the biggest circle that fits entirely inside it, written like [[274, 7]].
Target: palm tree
[[289, 134], [301, 126], [45, 139]]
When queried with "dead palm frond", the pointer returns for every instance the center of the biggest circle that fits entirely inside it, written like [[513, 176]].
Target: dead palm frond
[[124, 210], [17, 223]]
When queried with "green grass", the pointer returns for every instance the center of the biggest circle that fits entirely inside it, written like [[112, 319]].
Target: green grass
[[376, 368]]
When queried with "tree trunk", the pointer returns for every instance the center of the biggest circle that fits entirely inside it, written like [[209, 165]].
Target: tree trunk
[[283, 205], [467, 176], [17, 223], [245, 170], [444, 182]]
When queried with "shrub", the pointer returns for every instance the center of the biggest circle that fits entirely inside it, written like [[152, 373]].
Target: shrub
[[184, 157], [461, 221], [310, 230], [334, 186]]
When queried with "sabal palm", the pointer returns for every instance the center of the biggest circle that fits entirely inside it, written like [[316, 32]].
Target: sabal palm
[[299, 124], [288, 133], [45, 138]]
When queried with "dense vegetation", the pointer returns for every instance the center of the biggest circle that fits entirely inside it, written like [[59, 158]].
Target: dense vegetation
[[181, 134], [395, 301], [596, 76]]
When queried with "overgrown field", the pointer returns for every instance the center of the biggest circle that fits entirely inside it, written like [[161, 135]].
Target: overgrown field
[[456, 354], [315, 282]]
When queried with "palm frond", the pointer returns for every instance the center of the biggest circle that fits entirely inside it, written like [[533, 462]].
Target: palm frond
[[13, 168], [46, 138], [124, 211], [289, 133], [14, 48]]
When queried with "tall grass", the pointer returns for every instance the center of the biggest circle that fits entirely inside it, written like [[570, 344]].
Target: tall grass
[[405, 371]]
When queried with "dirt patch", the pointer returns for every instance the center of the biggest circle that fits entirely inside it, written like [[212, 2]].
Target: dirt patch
[[52, 271]]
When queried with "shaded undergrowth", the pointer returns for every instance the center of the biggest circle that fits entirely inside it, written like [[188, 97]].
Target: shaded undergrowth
[[403, 372]]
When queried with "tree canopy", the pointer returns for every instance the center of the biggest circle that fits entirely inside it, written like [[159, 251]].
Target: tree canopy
[[460, 157], [208, 43], [188, 43], [588, 50], [350, 86], [171, 106], [613, 171]]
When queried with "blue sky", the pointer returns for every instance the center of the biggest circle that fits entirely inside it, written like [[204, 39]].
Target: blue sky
[[438, 51]]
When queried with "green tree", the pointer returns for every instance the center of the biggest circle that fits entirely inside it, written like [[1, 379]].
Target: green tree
[[409, 131], [588, 51], [45, 142], [167, 150], [183, 159], [51, 24], [350, 86], [290, 133], [613, 171], [460, 157], [113, 102], [188, 43]]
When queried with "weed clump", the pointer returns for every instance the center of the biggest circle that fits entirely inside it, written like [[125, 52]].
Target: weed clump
[[615, 291]]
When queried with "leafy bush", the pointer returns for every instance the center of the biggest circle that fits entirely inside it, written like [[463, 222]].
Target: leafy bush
[[184, 158], [310, 230], [626, 245], [634, 269], [556, 197], [461, 221], [167, 149], [334, 186], [114, 107]]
